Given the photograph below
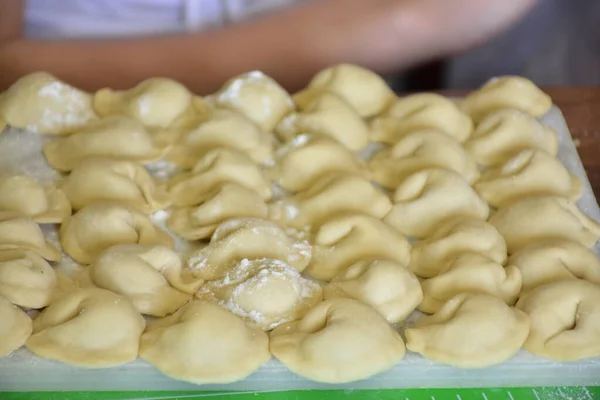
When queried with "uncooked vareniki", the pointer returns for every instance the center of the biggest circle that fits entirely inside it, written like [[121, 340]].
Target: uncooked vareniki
[[344, 240], [387, 286], [337, 341], [15, 328], [91, 328], [418, 151], [565, 320], [41, 103], [449, 337], [427, 199], [533, 219], [20, 232], [43, 203], [99, 226]]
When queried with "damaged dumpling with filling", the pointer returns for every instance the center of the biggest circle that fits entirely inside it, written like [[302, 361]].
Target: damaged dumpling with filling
[[21, 232], [449, 337], [387, 286], [344, 240], [422, 205], [15, 328], [99, 226]]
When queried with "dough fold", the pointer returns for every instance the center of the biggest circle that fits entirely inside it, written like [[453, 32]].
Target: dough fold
[[16, 327], [21, 232]]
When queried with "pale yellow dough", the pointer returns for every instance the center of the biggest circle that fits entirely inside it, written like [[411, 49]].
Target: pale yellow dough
[[418, 151], [99, 226], [45, 204], [387, 286], [21, 232], [533, 219], [430, 198], [339, 340], [15, 328], [103, 179], [470, 331], [555, 260], [344, 240], [204, 343], [41, 103], [565, 320]]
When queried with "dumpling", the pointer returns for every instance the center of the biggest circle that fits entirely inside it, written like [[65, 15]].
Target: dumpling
[[528, 173], [418, 151], [330, 195], [427, 199], [150, 276], [453, 238], [41, 103], [102, 179], [204, 343], [328, 115], [470, 331], [15, 328], [565, 320], [387, 286], [155, 102], [422, 111], [20, 232], [364, 90], [112, 137], [26, 279], [257, 96], [308, 158], [91, 328], [338, 341], [265, 291], [506, 92], [470, 273], [250, 239], [347, 239], [224, 203], [99, 226], [533, 219], [555, 260], [215, 168], [504, 133], [45, 204]]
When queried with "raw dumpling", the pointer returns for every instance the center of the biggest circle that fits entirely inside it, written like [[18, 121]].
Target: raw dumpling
[[112, 137], [155, 102], [470, 273], [555, 260], [328, 115], [427, 199], [422, 111], [41, 103], [26, 279], [99, 226], [204, 343], [150, 276], [15, 328], [470, 331], [20, 232], [418, 151], [330, 195], [565, 320], [347, 239], [43, 203], [215, 168], [250, 239], [364, 90], [507, 92], [452, 239], [533, 219], [387, 286], [529, 173], [102, 179], [91, 328], [339, 340], [504, 133], [265, 291]]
